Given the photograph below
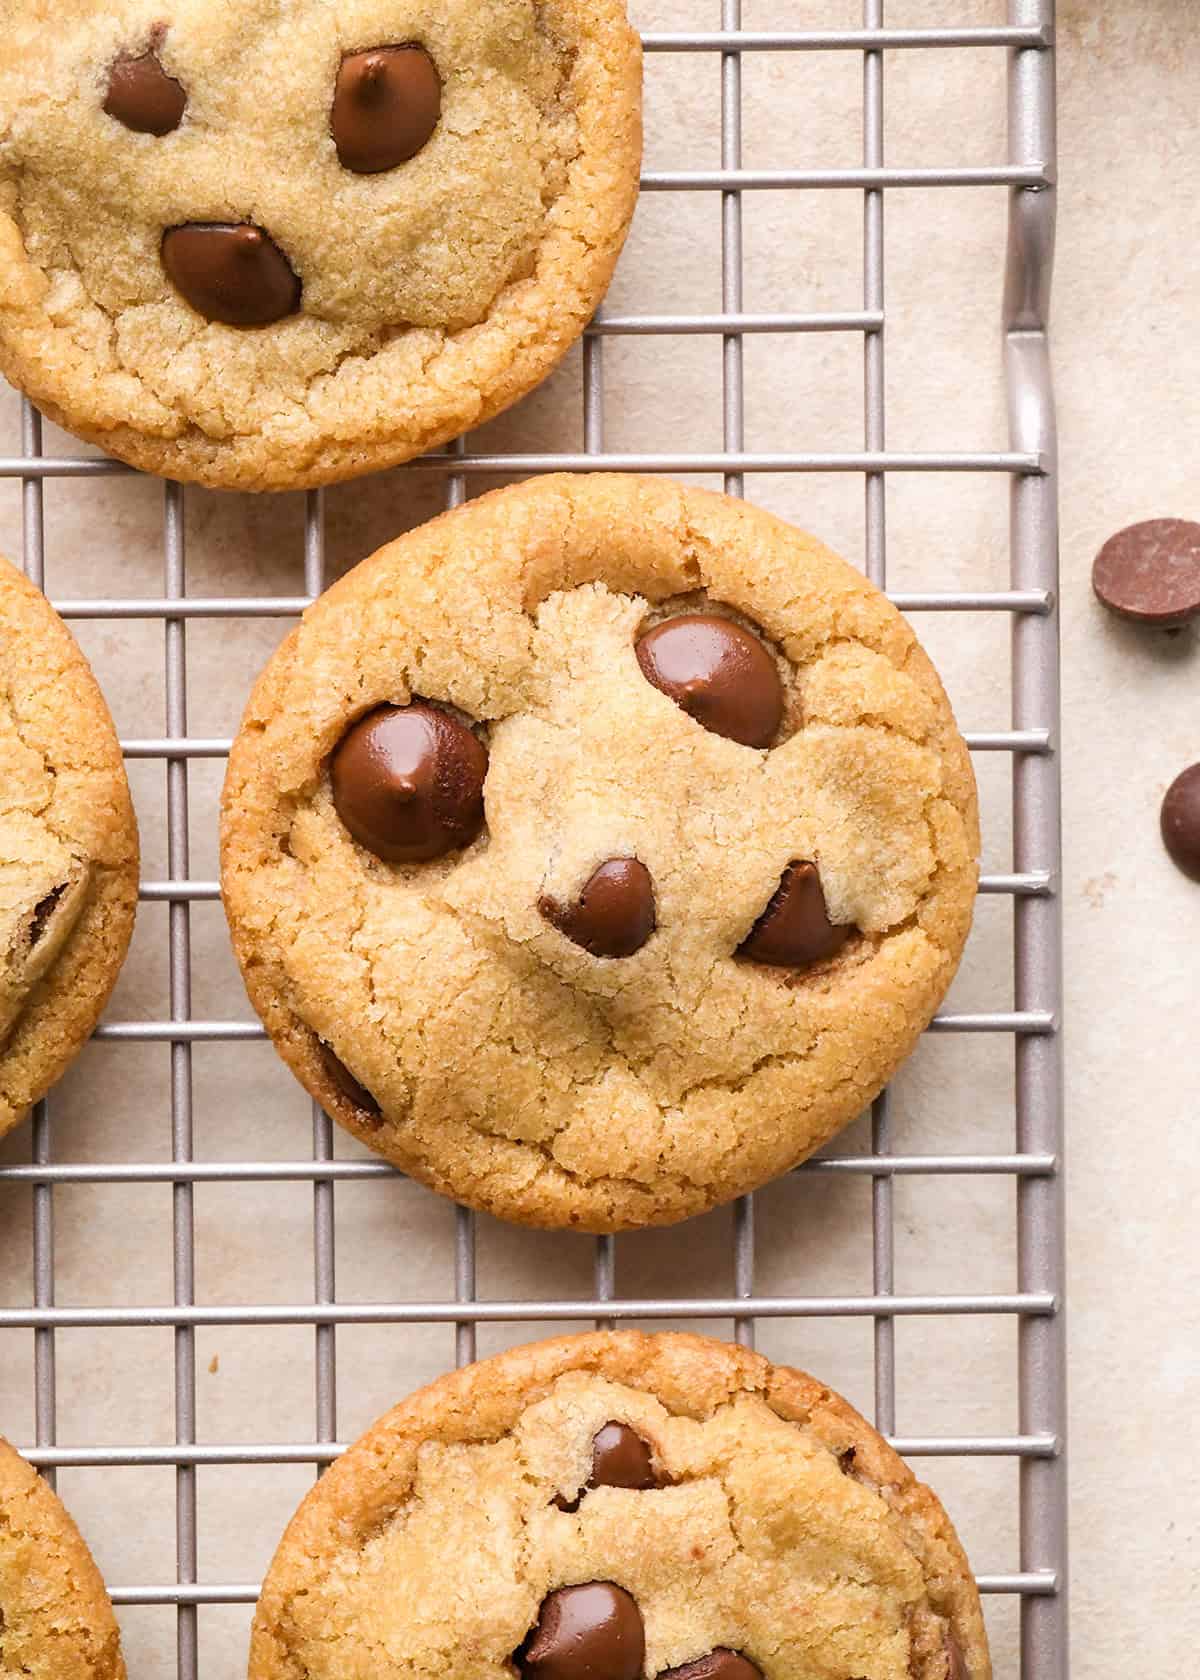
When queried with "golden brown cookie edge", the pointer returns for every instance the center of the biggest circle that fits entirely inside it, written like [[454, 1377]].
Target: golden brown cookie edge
[[88, 1647], [689, 1374], [606, 1205], [68, 1003]]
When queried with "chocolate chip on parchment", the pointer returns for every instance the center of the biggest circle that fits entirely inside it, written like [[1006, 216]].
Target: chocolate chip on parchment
[[1181, 821], [1150, 572]]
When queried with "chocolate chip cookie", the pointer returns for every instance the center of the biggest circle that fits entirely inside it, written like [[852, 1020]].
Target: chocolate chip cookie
[[68, 848], [273, 245], [621, 1507], [598, 850], [56, 1622]]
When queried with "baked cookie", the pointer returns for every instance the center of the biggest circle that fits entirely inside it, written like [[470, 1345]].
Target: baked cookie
[[598, 850], [613, 1506], [68, 848], [56, 1622], [284, 242]]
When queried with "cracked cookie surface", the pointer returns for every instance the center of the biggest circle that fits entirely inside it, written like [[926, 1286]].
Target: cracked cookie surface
[[285, 242], [780, 1527], [56, 1622], [457, 1014], [68, 848]]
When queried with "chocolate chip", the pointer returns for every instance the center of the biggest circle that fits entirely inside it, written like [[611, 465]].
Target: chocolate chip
[[794, 930], [621, 1459], [1181, 821], [614, 914], [721, 1664], [346, 1083], [589, 1632], [42, 912], [1151, 572], [386, 105], [718, 673], [142, 96], [408, 783], [231, 272], [956, 1667]]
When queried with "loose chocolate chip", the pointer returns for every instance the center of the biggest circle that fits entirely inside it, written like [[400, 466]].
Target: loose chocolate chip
[[794, 930], [142, 96], [956, 1667], [346, 1083], [1181, 821], [614, 914], [621, 1459], [1151, 572], [386, 105], [589, 1632], [231, 272], [718, 673], [408, 783], [721, 1664]]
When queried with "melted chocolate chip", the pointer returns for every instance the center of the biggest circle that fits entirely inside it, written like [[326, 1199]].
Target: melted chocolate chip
[[42, 912], [721, 1664], [718, 673], [614, 914], [386, 105], [346, 1083], [231, 272], [408, 783], [621, 1459], [1151, 573], [1181, 822], [142, 96], [589, 1632], [956, 1667], [794, 930]]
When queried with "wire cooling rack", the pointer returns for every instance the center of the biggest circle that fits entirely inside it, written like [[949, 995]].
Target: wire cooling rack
[[1034, 1165]]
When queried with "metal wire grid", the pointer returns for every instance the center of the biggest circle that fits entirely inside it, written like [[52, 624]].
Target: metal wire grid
[[1035, 1165]]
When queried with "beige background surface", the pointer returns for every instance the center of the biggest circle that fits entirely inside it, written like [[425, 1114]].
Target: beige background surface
[[1127, 318]]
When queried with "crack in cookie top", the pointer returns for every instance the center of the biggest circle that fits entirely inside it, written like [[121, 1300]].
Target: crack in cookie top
[[55, 1617], [655, 965], [283, 242], [483, 1529], [68, 848]]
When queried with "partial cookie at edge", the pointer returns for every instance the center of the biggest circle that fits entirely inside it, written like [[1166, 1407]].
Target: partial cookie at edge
[[69, 869], [55, 1616], [435, 294], [340, 1531]]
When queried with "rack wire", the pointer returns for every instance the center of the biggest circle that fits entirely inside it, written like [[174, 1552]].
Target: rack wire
[[1035, 1163]]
